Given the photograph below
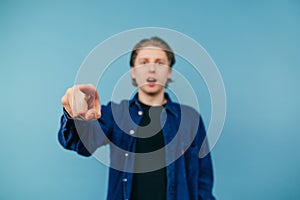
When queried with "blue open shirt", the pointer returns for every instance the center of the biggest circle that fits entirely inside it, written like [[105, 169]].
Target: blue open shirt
[[188, 176]]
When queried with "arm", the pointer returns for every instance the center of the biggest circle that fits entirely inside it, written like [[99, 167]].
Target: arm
[[85, 137], [205, 178], [86, 134]]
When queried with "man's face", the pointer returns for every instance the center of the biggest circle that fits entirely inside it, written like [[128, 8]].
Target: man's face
[[151, 70]]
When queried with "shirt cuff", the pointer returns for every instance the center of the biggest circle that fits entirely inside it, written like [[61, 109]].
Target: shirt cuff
[[67, 116]]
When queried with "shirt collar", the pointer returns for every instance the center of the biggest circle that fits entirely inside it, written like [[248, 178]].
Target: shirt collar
[[170, 105]]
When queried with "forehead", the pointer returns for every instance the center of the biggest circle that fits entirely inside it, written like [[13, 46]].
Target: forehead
[[151, 52]]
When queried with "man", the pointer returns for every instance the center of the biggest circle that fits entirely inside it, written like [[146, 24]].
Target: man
[[149, 122]]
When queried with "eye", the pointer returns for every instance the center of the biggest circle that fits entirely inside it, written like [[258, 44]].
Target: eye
[[160, 63]]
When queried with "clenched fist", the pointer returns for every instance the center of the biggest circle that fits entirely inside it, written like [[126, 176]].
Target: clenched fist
[[82, 101]]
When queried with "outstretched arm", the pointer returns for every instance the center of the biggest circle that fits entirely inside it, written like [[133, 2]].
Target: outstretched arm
[[82, 128]]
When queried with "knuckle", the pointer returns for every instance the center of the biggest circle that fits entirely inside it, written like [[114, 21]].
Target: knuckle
[[62, 100], [91, 86], [69, 90]]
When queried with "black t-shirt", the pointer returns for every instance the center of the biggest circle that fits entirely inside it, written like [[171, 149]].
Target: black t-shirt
[[150, 185]]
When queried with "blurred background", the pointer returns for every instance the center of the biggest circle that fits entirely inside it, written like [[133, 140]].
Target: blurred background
[[255, 45]]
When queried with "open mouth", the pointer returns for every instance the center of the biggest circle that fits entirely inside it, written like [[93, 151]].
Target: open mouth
[[151, 80]]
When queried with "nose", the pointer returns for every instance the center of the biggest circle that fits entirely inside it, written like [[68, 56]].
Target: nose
[[152, 67]]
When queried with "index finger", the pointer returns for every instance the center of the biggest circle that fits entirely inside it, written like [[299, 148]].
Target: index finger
[[88, 89]]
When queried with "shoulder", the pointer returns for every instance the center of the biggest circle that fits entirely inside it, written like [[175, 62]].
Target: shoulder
[[189, 110], [123, 102], [184, 109], [112, 106]]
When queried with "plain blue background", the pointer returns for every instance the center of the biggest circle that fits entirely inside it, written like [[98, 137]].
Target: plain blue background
[[255, 44]]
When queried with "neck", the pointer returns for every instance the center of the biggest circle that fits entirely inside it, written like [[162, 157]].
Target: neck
[[152, 100]]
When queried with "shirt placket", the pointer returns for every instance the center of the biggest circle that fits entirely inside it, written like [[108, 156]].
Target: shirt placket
[[137, 114]]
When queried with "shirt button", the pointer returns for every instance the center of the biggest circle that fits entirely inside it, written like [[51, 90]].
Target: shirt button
[[126, 154], [124, 179], [140, 113], [131, 132]]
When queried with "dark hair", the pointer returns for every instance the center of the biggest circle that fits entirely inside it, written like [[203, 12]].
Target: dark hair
[[155, 42]]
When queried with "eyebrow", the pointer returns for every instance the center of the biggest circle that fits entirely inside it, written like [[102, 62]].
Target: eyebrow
[[157, 59]]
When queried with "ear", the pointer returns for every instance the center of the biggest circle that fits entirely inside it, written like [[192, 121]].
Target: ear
[[169, 73], [132, 71]]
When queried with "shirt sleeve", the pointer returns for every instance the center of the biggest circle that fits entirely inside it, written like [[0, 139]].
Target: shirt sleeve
[[85, 137], [205, 178]]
